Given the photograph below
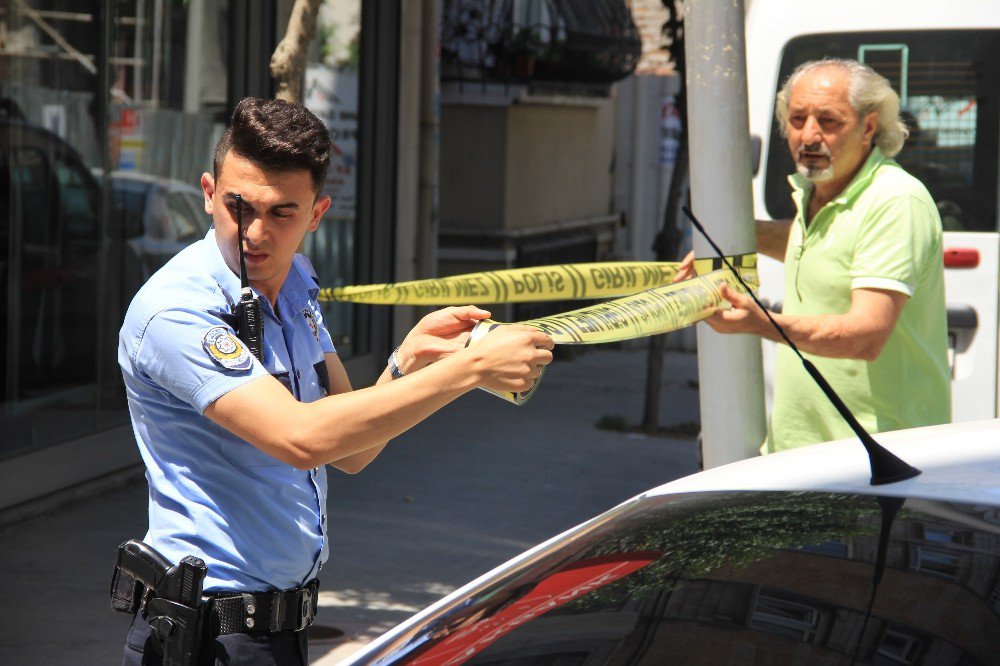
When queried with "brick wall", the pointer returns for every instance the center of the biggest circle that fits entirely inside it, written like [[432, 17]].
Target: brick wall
[[649, 16]]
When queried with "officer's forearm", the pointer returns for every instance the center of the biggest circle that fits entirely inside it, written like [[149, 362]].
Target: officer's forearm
[[308, 435], [355, 463]]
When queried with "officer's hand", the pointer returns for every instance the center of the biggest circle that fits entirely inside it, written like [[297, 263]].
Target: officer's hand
[[686, 270], [510, 357], [437, 335]]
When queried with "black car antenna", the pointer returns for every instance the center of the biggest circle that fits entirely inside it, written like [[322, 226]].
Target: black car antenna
[[885, 467]]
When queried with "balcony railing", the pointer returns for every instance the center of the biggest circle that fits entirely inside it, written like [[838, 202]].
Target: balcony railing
[[525, 41]]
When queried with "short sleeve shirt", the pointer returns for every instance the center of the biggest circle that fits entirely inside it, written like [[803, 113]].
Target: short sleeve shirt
[[258, 523], [882, 232]]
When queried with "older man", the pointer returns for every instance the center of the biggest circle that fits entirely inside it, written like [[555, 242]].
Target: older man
[[864, 285]]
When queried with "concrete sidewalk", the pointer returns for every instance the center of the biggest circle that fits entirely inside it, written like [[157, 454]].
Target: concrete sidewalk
[[471, 487]]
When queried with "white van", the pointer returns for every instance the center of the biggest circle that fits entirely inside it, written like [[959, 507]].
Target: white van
[[944, 60]]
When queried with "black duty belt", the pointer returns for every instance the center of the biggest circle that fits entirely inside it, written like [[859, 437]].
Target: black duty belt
[[262, 612]]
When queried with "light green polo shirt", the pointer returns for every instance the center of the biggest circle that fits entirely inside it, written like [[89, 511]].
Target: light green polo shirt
[[882, 232]]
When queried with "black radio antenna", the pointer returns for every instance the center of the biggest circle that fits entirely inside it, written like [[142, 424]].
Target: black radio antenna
[[244, 281], [250, 324], [885, 467]]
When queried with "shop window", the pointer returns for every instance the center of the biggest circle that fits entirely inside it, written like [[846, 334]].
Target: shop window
[[332, 93]]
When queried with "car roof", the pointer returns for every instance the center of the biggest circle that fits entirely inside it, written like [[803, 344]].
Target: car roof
[[34, 135], [141, 180], [959, 462]]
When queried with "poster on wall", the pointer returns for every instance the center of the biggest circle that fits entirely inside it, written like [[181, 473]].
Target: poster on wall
[[332, 94], [126, 138]]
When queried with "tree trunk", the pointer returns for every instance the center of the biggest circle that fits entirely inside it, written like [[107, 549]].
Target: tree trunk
[[288, 62]]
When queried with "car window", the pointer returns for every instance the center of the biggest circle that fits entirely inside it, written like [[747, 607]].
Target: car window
[[129, 196], [196, 202], [716, 577], [77, 195], [185, 227], [950, 99], [159, 226], [31, 193]]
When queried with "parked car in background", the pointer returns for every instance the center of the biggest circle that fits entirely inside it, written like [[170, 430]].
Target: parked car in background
[[50, 240], [160, 217], [791, 558]]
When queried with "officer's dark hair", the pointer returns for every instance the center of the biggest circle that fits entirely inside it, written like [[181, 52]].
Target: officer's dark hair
[[276, 136]]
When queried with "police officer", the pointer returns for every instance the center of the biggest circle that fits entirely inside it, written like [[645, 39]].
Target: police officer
[[236, 448]]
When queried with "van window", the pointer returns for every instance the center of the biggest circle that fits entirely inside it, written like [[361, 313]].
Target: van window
[[948, 82]]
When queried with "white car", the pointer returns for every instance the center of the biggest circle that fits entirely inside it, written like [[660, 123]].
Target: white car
[[788, 558]]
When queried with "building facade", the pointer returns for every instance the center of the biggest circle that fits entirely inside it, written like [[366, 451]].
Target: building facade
[[109, 112]]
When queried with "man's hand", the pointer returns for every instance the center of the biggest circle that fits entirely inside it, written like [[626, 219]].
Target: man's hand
[[439, 334], [510, 357], [744, 316]]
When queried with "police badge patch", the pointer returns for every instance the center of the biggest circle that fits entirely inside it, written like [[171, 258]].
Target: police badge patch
[[311, 321], [226, 350]]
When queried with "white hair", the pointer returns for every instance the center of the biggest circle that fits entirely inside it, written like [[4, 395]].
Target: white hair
[[868, 91]]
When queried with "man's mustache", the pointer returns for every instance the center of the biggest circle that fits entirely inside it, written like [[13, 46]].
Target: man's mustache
[[816, 148]]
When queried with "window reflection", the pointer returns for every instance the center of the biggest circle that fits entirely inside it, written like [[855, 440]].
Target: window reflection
[[737, 575], [88, 215], [331, 92]]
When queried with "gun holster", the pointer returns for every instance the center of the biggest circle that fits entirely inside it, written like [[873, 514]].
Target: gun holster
[[168, 596]]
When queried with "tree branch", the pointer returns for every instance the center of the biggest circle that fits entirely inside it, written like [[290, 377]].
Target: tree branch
[[288, 62]]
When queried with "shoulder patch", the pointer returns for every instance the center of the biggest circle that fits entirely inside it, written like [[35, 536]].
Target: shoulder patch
[[311, 321], [226, 350]]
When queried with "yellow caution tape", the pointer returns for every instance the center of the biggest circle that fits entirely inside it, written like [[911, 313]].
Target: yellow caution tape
[[526, 285], [650, 302], [651, 312]]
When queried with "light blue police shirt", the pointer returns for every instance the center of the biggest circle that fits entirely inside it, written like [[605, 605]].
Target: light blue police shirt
[[258, 523]]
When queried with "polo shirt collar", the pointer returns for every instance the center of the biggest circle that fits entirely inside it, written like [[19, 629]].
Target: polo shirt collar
[[801, 187]]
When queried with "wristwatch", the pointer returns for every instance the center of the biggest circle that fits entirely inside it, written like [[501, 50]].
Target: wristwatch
[[393, 363]]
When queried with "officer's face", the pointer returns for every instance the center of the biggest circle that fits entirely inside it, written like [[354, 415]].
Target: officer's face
[[279, 208], [828, 141]]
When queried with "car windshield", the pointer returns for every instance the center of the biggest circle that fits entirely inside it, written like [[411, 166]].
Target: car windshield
[[765, 577]]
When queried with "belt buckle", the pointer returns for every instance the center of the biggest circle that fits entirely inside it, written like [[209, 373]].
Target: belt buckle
[[307, 608]]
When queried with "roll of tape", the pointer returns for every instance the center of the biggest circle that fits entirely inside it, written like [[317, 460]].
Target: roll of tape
[[517, 397]]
